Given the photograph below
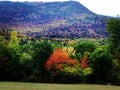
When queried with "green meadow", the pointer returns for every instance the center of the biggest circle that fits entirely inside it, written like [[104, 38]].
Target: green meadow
[[39, 86]]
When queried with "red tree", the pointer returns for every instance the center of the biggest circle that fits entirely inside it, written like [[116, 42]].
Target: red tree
[[84, 62]]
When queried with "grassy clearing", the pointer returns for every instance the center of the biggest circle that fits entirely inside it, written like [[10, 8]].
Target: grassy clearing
[[39, 86]]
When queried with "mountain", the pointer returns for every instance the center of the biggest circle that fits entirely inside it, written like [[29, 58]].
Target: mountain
[[68, 19]]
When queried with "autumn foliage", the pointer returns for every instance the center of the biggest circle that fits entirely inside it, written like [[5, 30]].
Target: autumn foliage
[[83, 62], [58, 60], [69, 51]]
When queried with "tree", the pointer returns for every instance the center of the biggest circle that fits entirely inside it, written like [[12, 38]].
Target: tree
[[113, 27], [102, 65], [13, 39], [69, 51], [15, 53], [57, 60], [14, 47], [4, 61], [64, 69], [83, 47], [83, 62], [42, 51]]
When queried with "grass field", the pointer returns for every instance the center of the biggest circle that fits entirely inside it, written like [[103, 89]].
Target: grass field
[[39, 86]]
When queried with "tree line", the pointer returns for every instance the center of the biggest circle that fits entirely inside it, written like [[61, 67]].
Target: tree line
[[77, 61]]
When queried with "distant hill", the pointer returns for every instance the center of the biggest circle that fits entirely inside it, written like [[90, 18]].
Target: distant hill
[[68, 19]]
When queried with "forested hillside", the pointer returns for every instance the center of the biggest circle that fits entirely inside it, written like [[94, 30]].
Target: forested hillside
[[52, 19]]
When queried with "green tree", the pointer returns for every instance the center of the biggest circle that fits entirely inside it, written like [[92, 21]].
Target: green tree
[[14, 47], [113, 27], [15, 53], [4, 61], [27, 67], [26, 61], [102, 65], [83, 47], [42, 51]]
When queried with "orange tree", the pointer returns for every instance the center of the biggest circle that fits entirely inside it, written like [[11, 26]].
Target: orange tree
[[64, 69]]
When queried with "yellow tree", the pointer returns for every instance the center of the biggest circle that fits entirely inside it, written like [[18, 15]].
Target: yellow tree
[[13, 39], [69, 51], [14, 47]]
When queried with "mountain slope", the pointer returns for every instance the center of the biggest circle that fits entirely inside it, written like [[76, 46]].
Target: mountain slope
[[61, 9], [52, 19]]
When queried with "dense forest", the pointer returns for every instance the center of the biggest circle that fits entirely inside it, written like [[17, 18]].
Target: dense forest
[[82, 60], [68, 19]]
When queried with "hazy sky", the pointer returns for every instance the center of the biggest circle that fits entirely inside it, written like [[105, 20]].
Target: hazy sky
[[104, 7]]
